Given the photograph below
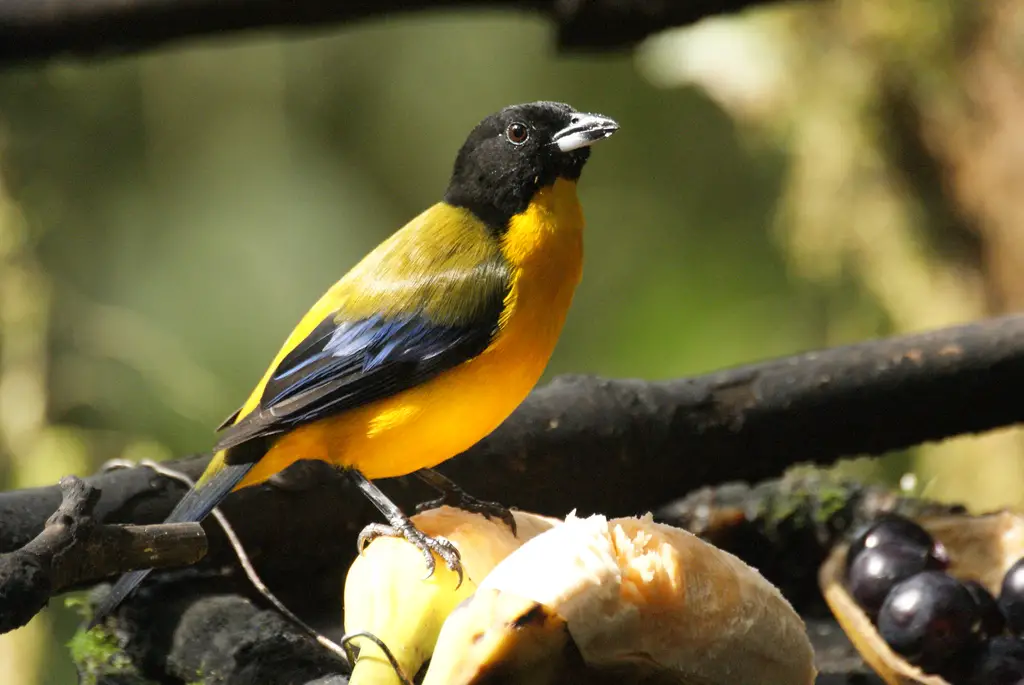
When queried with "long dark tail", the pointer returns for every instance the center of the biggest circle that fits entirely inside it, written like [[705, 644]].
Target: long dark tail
[[194, 506]]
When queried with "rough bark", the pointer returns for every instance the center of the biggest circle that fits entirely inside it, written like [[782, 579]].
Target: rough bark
[[613, 446], [73, 549], [230, 637]]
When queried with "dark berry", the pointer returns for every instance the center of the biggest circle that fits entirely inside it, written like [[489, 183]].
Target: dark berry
[[893, 529], [999, 661], [929, 619], [1011, 598], [992, 621], [877, 569]]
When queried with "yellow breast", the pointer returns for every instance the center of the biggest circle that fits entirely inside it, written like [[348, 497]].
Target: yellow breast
[[428, 424]]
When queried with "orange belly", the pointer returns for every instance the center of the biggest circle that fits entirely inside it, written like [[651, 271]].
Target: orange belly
[[416, 429]]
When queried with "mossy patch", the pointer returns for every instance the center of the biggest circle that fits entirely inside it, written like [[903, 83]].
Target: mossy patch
[[96, 652]]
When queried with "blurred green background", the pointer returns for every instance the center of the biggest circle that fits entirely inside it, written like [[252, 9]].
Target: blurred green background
[[787, 179]]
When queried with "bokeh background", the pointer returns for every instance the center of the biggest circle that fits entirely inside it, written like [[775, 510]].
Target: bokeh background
[[786, 179]]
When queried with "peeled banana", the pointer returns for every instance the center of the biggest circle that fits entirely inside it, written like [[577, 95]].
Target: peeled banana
[[625, 601], [386, 594]]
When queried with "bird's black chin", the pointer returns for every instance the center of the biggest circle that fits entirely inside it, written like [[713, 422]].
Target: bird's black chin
[[570, 165]]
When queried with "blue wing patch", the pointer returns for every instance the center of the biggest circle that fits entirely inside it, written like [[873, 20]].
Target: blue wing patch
[[344, 364], [358, 346], [357, 351]]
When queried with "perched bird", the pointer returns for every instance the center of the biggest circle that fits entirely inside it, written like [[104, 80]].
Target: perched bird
[[431, 340]]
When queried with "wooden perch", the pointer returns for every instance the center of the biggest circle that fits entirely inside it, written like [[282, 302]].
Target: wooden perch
[[617, 447], [73, 549], [41, 29]]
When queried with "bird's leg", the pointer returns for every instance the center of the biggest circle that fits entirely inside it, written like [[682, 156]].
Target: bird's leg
[[454, 496], [399, 526]]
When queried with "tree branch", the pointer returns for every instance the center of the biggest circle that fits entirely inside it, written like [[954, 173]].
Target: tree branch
[[72, 549], [42, 29], [618, 446], [784, 528], [611, 446]]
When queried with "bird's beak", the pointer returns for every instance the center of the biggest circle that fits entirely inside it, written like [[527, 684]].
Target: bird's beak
[[584, 130]]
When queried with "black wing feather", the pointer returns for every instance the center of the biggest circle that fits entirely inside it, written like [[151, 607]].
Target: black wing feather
[[348, 363]]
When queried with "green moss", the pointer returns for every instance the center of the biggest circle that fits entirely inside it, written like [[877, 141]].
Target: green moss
[[201, 679], [96, 651], [805, 498], [79, 604], [832, 499]]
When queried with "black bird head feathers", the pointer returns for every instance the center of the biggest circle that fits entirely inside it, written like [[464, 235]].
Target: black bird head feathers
[[513, 153]]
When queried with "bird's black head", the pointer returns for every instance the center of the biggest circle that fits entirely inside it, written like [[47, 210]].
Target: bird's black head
[[515, 152]]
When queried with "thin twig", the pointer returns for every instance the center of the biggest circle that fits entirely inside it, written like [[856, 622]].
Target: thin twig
[[342, 650], [239, 550], [346, 641]]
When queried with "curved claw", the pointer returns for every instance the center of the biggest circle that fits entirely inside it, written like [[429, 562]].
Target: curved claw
[[448, 552], [428, 560], [426, 544], [429, 504], [506, 516], [373, 531]]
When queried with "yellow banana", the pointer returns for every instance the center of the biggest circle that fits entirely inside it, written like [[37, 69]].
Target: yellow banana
[[626, 601], [386, 594]]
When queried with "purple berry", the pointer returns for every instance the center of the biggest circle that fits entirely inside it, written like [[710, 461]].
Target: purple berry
[[929, 619], [892, 529], [992, 621], [1011, 598], [877, 569], [999, 661]]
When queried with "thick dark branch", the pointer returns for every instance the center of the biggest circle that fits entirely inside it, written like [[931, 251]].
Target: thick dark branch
[[647, 442], [615, 446], [72, 549], [39, 29], [784, 528]]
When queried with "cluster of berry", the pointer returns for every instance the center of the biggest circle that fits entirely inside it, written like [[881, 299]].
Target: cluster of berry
[[951, 627]]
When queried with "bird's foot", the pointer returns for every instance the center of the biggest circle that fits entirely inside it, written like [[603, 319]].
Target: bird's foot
[[427, 545], [463, 500], [454, 496]]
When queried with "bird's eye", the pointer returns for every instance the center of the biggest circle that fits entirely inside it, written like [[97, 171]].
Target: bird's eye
[[517, 133]]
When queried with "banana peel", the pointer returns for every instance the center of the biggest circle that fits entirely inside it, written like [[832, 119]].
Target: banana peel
[[386, 595], [625, 601]]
